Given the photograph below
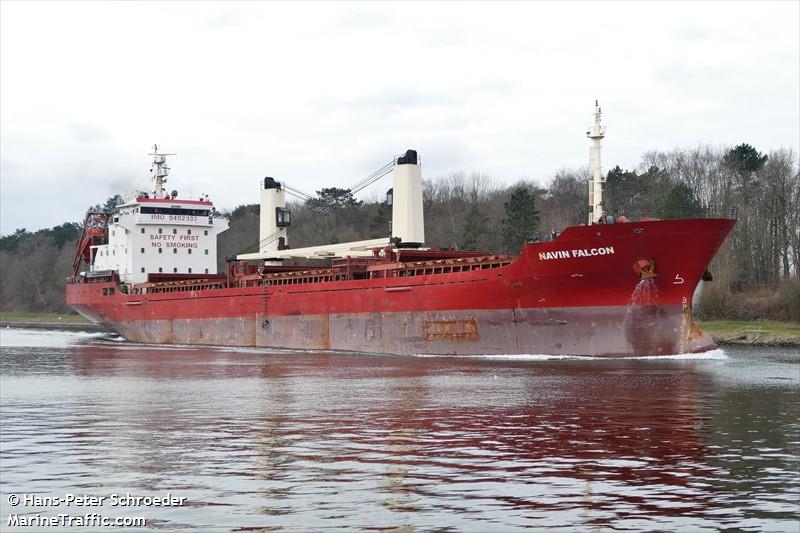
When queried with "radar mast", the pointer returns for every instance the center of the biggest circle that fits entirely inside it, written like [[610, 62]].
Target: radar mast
[[160, 172], [597, 184]]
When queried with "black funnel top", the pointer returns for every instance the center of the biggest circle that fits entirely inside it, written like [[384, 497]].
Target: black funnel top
[[409, 158], [270, 183]]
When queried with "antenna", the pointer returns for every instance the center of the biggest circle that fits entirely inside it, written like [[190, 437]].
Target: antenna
[[596, 134], [161, 171]]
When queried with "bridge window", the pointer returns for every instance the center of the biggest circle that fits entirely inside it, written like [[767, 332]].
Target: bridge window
[[206, 271], [174, 250], [205, 232], [175, 270], [142, 269], [174, 231], [142, 250], [160, 269], [188, 232], [189, 250], [160, 231], [160, 250], [190, 271], [175, 211], [142, 230], [206, 252]]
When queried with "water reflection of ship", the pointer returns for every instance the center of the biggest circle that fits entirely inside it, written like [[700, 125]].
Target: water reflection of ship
[[401, 443], [539, 438], [156, 431]]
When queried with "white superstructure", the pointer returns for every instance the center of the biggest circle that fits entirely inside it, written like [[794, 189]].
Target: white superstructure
[[163, 235], [596, 134]]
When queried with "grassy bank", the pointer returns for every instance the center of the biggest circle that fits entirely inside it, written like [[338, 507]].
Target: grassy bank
[[767, 332], [58, 321], [41, 318]]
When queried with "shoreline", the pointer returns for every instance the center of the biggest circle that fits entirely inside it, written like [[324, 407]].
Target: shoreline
[[724, 333], [752, 333], [68, 326], [745, 341]]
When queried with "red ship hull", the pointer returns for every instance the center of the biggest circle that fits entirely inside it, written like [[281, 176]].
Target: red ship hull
[[579, 294]]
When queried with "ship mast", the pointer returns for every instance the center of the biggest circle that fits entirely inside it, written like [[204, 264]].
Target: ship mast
[[160, 171], [596, 134]]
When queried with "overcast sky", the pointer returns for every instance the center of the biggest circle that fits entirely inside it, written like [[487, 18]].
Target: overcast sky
[[322, 94]]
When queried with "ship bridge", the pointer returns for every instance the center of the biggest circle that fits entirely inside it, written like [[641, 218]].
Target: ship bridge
[[161, 234]]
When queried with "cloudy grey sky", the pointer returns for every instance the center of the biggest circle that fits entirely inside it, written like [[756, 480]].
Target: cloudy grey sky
[[321, 94]]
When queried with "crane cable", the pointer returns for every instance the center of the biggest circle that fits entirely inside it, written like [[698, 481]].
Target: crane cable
[[355, 188]]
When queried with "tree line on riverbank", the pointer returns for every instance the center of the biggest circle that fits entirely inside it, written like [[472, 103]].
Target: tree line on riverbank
[[756, 271]]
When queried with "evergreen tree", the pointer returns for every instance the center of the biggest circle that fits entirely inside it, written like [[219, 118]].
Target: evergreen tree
[[681, 202], [749, 237], [66, 232], [111, 204], [333, 198], [623, 191], [475, 223], [744, 158], [10, 242], [522, 219], [335, 205], [381, 221], [242, 235]]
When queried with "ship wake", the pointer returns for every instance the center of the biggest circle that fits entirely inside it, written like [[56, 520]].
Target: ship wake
[[715, 354], [25, 338]]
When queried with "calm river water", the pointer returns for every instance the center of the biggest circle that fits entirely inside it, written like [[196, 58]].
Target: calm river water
[[261, 441]]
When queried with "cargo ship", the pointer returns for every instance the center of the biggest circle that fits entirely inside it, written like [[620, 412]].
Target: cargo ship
[[609, 288]]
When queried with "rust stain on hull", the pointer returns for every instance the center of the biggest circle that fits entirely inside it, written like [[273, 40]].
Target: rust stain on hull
[[457, 330], [606, 331]]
